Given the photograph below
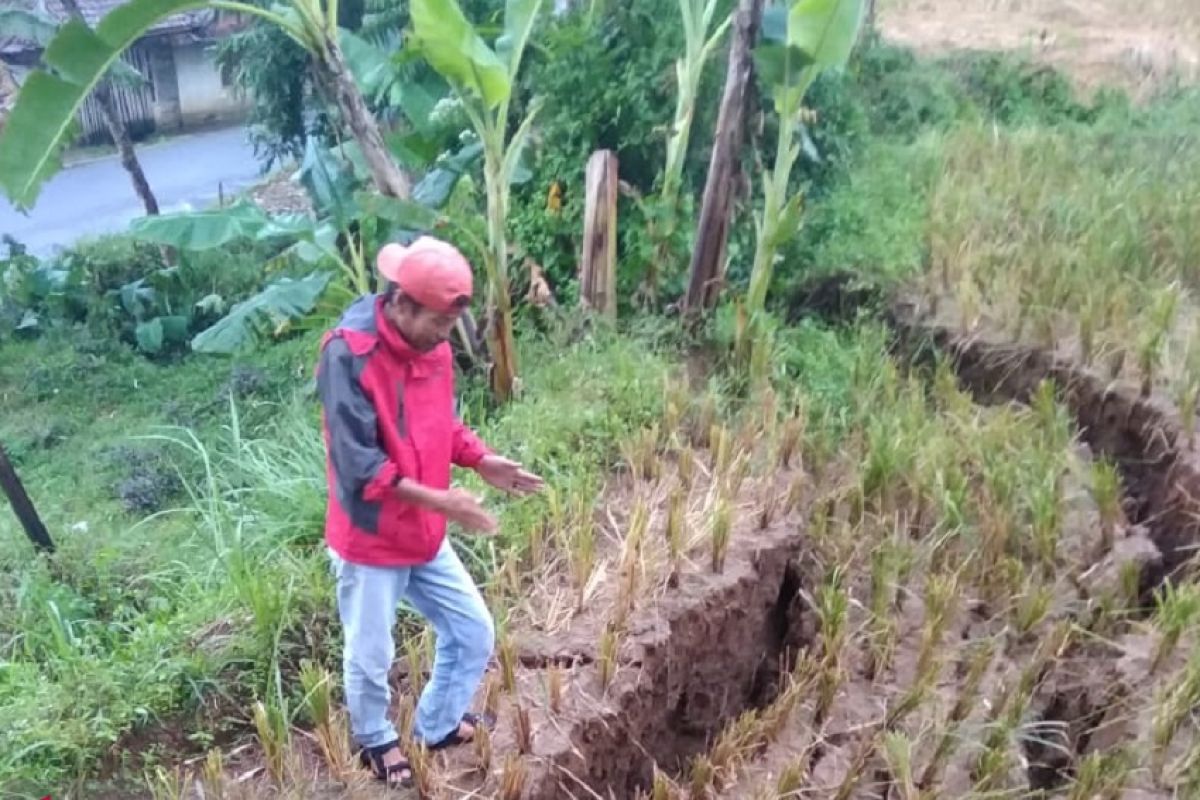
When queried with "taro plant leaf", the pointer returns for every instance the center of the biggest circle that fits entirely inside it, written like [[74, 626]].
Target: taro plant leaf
[[329, 184], [452, 46], [152, 334], [175, 328], [165, 281], [280, 303], [75, 59], [203, 230], [136, 297], [149, 336], [435, 188]]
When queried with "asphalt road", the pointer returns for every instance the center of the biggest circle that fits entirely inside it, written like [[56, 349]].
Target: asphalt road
[[96, 196]]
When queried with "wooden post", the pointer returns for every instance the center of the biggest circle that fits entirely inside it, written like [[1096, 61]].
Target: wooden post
[[598, 266], [712, 232], [22, 506]]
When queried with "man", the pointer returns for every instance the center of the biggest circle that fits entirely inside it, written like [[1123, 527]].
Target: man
[[386, 382]]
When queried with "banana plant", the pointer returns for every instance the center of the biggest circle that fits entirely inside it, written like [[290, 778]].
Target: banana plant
[[78, 57], [483, 78], [697, 16], [800, 40]]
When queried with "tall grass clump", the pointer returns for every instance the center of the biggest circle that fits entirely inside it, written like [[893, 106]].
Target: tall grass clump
[[1073, 234]]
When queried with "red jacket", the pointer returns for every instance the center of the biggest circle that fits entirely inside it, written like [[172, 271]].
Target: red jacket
[[388, 412]]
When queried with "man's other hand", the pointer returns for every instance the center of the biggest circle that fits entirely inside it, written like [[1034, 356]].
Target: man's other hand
[[508, 476], [459, 505]]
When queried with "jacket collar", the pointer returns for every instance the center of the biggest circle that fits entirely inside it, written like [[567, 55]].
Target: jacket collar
[[419, 364]]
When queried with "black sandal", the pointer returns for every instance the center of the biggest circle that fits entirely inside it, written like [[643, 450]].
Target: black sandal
[[396, 776], [475, 721]]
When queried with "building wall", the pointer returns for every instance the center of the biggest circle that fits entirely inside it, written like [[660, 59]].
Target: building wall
[[203, 96], [167, 117]]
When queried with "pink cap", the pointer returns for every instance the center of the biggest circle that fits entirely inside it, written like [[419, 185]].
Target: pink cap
[[431, 272]]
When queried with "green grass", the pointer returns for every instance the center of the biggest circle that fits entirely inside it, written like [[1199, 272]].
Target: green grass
[[1075, 228]]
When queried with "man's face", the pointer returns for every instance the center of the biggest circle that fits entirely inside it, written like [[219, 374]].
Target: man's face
[[421, 327]]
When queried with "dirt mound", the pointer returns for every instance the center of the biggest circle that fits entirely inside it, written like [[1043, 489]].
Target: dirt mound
[[1134, 45]]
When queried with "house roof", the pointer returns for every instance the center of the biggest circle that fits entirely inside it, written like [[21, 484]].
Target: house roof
[[95, 10]]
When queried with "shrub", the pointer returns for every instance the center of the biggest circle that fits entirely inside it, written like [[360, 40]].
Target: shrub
[[610, 84]]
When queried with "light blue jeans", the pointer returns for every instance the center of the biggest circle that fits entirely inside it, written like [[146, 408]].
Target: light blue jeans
[[444, 594]]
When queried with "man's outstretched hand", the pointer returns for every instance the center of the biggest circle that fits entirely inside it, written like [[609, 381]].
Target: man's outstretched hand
[[508, 476]]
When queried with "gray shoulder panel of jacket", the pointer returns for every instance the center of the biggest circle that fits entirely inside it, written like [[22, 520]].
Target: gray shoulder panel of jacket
[[351, 420]]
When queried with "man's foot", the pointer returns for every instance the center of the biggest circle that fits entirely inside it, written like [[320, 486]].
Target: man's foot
[[389, 765], [466, 730]]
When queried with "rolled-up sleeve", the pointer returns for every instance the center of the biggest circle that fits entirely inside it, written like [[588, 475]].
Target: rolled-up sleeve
[[361, 466], [468, 449]]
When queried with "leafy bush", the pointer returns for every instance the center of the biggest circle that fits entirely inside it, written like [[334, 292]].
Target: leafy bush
[[147, 481], [903, 95], [124, 290], [608, 83], [34, 294]]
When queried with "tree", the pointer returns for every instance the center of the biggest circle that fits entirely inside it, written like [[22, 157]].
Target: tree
[[697, 17], [117, 130], [77, 58], [483, 79], [712, 234]]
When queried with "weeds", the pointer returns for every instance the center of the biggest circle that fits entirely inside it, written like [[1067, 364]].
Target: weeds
[[1102, 775], [555, 679], [168, 784], [274, 737], [1177, 609], [483, 749], [523, 729], [512, 777], [1175, 702], [722, 529], [506, 651], [212, 775], [607, 660], [1106, 488]]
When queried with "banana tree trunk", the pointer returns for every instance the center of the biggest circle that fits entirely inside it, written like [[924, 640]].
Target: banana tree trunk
[[501, 342], [118, 131], [712, 232], [335, 74]]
